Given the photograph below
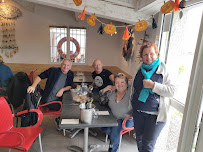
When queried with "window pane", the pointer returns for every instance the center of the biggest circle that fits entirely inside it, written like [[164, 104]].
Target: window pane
[[58, 44], [77, 54], [182, 48]]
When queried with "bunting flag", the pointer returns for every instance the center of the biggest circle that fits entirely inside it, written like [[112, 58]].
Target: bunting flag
[[77, 2], [82, 15], [141, 25], [167, 7], [154, 25], [176, 6], [91, 20], [100, 30], [126, 34], [110, 29]]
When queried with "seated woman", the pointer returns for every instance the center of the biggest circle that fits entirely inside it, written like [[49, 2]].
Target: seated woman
[[119, 103]]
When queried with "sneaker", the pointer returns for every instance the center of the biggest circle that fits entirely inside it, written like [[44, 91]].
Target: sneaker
[[57, 124]]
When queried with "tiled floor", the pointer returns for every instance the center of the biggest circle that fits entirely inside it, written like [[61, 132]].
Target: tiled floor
[[54, 141]]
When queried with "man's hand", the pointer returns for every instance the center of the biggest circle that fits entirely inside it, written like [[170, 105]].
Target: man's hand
[[60, 92], [31, 89], [147, 83]]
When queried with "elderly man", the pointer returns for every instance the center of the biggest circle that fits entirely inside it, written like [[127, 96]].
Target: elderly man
[[102, 77], [58, 81], [5, 75]]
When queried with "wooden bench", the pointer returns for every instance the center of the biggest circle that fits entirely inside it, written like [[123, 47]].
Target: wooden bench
[[27, 68]]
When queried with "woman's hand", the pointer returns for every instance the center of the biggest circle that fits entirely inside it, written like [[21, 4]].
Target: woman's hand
[[60, 93], [147, 83], [31, 89]]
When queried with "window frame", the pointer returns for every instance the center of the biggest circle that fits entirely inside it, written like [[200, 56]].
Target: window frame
[[68, 44]]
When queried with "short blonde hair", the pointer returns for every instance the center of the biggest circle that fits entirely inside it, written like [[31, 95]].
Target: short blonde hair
[[122, 76]]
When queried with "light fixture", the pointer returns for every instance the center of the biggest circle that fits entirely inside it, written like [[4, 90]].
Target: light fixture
[[3, 1]]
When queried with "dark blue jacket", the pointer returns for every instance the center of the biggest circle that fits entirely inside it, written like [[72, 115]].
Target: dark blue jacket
[[151, 103], [52, 75]]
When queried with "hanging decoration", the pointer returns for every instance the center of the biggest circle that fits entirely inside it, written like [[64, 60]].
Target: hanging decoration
[[60, 51], [100, 30], [141, 25], [154, 25], [176, 6], [77, 2], [91, 20], [127, 46], [8, 45], [126, 34], [8, 14], [167, 7], [82, 15], [110, 29]]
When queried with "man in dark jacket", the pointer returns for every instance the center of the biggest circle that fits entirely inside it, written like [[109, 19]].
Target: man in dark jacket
[[58, 81]]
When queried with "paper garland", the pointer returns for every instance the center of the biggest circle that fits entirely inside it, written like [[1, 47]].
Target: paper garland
[[77, 2]]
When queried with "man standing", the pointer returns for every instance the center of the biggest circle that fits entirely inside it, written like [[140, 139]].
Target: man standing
[[58, 81], [102, 77]]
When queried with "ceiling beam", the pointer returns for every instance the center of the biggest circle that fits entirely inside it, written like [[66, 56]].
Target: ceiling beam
[[120, 10]]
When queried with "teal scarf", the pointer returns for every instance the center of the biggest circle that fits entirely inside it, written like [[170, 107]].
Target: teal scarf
[[144, 94]]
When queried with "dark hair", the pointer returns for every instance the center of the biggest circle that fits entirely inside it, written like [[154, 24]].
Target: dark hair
[[121, 75], [148, 45]]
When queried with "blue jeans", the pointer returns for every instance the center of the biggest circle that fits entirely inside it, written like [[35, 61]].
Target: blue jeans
[[114, 133], [147, 130]]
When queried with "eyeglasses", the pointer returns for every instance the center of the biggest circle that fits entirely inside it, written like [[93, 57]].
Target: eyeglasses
[[120, 75]]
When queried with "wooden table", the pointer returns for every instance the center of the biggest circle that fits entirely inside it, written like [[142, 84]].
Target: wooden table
[[70, 110]]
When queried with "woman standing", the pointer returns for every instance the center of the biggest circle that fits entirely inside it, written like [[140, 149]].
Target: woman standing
[[150, 100], [119, 103]]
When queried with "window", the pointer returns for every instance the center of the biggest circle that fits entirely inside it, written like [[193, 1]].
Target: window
[[177, 50], [181, 49], [59, 46]]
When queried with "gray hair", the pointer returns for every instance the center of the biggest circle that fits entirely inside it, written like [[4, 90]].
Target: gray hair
[[66, 60]]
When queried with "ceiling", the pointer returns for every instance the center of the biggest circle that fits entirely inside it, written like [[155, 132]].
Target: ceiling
[[126, 11]]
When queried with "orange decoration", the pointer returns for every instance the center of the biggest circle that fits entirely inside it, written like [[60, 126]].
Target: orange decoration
[[77, 2], [91, 20], [110, 29], [176, 6], [141, 25], [126, 34], [82, 15], [167, 7]]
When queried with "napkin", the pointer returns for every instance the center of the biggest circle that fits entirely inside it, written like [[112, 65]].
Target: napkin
[[70, 121], [102, 113]]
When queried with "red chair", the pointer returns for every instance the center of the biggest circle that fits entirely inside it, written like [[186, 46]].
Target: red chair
[[46, 111], [21, 138], [125, 129], [6, 97], [3, 95], [31, 75]]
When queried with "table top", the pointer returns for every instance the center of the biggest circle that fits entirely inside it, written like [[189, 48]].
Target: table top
[[71, 110], [83, 79]]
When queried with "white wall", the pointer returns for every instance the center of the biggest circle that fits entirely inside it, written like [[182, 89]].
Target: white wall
[[32, 36], [131, 66]]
